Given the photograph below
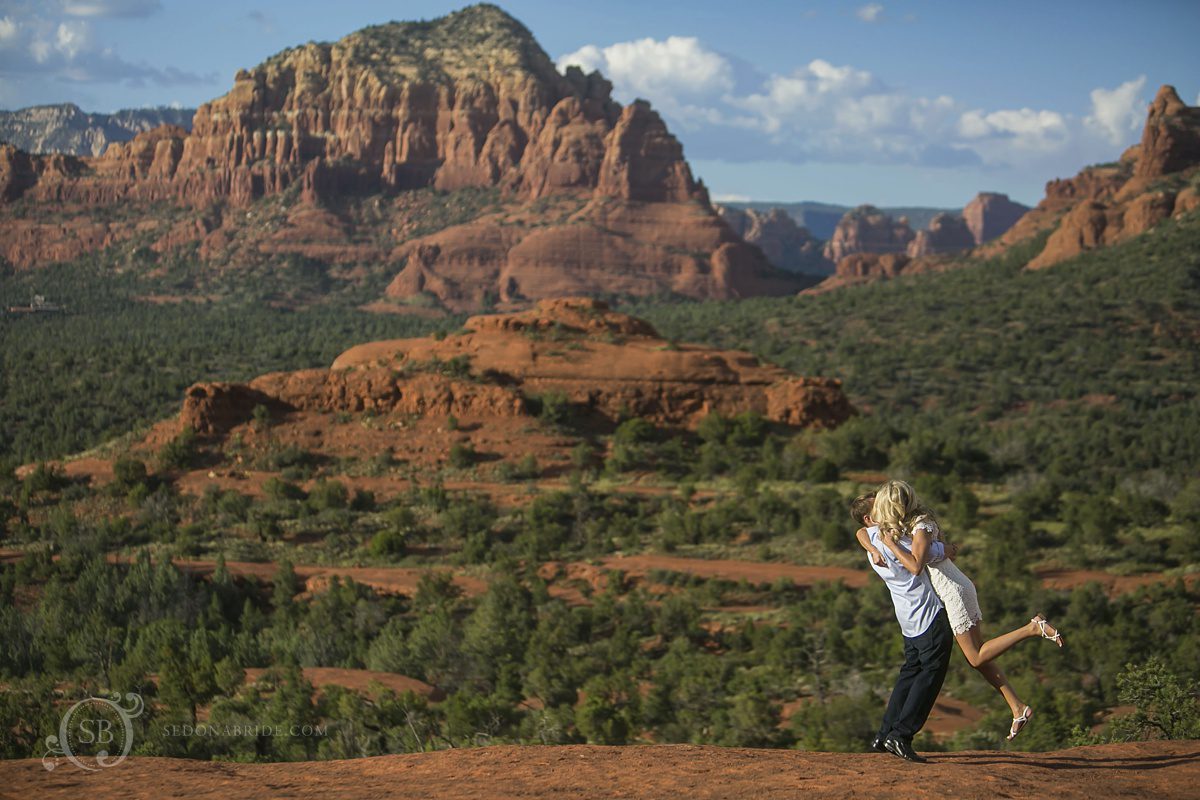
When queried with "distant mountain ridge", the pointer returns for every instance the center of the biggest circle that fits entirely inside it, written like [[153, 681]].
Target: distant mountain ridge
[[66, 128]]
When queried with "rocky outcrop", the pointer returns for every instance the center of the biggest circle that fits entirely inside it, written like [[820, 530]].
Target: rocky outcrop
[[214, 408], [947, 233], [785, 244], [990, 215], [467, 101], [1171, 139], [605, 248], [866, 229], [66, 129], [606, 364], [1103, 205]]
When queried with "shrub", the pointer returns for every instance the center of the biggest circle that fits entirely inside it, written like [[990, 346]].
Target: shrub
[[634, 431], [279, 489], [328, 494], [823, 471], [462, 455], [128, 472], [1167, 707], [363, 500], [180, 452], [388, 542], [554, 409]]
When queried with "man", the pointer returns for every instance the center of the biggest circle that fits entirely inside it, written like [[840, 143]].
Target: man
[[927, 639]]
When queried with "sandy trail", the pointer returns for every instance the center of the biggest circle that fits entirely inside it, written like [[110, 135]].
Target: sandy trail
[[1152, 769]]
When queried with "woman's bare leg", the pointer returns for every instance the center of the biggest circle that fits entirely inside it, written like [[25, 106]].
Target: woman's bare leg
[[992, 673], [979, 653]]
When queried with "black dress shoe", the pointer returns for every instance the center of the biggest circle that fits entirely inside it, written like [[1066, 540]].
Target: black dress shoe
[[877, 745], [902, 749]]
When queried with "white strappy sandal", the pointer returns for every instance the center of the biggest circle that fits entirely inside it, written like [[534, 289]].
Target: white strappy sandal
[[1041, 622], [1018, 723]]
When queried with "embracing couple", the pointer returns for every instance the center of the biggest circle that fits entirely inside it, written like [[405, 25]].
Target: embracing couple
[[936, 605]]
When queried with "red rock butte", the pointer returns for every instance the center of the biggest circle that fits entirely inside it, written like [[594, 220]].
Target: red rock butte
[[606, 364], [466, 101]]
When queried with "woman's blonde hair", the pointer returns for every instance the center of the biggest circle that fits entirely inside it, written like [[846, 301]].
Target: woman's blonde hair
[[897, 509]]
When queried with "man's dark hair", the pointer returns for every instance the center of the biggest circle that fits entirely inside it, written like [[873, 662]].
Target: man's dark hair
[[861, 506]]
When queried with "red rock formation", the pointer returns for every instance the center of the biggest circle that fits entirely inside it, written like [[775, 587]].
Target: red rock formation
[[608, 247], [644, 162], [785, 244], [466, 101], [866, 229], [1171, 138], [608, 363], [947, 233], [213, 408], [990, 215], [1107, 204]]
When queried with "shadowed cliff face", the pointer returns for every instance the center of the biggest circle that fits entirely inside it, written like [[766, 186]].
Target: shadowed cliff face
[[467, 101]]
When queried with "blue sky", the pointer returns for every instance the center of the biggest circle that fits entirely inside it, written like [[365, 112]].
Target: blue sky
[[921, 103]]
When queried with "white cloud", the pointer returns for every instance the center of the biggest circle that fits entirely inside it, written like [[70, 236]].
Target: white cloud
[[110, 8], [71, 38], [677, 67], [8, 31], [40, 49], [1025, 127], [731, 198], [56, 41], [871, 12], [1118, 113], [822, 112]]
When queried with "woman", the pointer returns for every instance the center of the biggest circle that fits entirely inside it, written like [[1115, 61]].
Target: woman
[[901, 516]]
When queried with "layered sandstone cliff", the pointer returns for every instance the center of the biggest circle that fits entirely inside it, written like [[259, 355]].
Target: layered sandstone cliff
[[467, 101], [605, 363]]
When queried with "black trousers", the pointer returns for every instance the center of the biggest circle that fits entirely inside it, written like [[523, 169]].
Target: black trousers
[[926, 658]]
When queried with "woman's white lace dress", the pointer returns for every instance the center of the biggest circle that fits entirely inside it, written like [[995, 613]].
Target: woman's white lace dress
[[956, 590]]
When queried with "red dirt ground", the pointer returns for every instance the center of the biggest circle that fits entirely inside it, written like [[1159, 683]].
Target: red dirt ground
[[1113, 585], [358, 680], [736, 570], [1162, 770]]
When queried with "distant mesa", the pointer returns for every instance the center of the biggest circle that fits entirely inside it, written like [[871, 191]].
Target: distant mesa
[[947, 233], [607, 365], [866, 229], [869, 244], [594, 198], [990, 215], [786, 244]]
